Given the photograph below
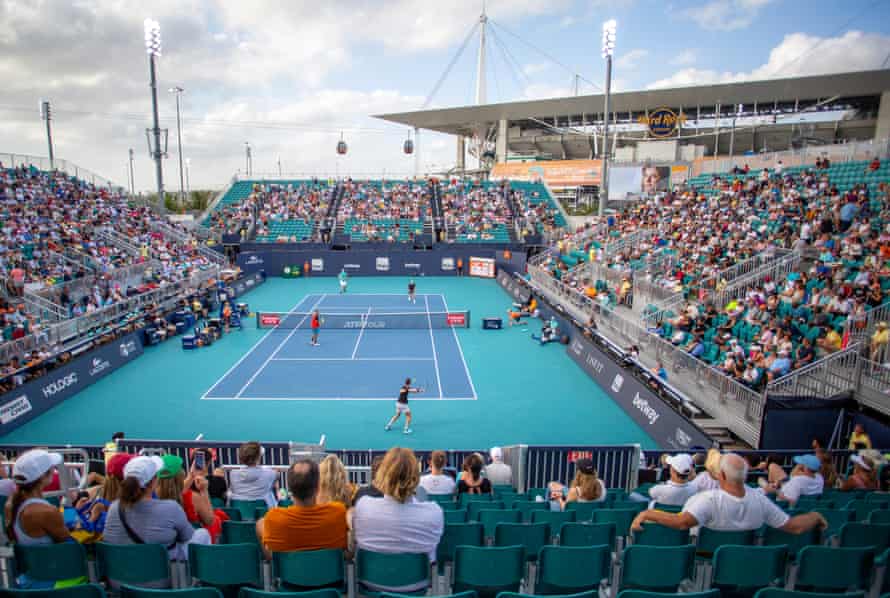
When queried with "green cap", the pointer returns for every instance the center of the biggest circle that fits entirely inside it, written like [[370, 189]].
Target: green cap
[[172, 466]]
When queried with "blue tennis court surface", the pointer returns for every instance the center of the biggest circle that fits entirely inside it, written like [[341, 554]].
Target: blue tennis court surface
[[357, 364]]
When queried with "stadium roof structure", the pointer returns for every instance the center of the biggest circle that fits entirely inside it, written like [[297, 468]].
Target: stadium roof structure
[[859, 91]]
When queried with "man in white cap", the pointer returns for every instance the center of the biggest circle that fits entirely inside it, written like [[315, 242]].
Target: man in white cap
[[805, 480], [498, 472], [138, 518], [677, 490]]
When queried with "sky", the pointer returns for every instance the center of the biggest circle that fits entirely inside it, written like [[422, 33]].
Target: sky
[[293, 78]]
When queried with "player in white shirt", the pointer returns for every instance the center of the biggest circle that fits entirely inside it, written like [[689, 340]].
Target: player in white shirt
[[677, 490], [732, 507]]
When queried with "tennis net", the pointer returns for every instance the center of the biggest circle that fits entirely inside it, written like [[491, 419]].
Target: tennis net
[[359, 321]]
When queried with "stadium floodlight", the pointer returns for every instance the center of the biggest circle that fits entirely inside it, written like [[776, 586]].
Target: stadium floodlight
[[609, 28], [153, 49], [152, 37]]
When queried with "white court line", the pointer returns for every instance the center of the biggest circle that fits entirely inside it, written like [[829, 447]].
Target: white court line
[[251, 350], [351, 359], [278, 348], [433, 344], [461, 351], [387, 399], [361, 333]]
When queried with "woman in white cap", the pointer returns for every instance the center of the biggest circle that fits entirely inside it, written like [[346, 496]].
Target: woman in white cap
[[31, 520], [863, 476], [138, 518]]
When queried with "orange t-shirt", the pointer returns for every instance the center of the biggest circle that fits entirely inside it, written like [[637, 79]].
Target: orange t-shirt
[[305, 528]]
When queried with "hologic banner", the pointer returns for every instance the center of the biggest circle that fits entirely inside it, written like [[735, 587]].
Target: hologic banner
[[666, 427], [26, 402]]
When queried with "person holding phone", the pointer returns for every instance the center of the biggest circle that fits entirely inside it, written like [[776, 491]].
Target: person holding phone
[[204, 461]]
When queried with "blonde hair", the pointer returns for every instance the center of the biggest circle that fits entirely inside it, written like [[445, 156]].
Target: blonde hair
[[588, 485], [398, 475], [333, 484], [171, 488], [111, 489], [712, 463]]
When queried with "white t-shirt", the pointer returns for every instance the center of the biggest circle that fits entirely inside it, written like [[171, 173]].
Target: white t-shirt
[[719, 510], [703, 481], [499, 474], [802, 485], [671, 493], [385, 525], [253, 483], [438, 484]]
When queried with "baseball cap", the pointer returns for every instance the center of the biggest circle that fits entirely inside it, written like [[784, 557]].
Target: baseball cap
[[682, 463], [172, 466], [117, 463], [496, 453], [143, 469], [33, 464], [585, 466], [811, 462]]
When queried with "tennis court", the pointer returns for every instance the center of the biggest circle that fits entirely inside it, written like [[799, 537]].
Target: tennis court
[[368, 345]]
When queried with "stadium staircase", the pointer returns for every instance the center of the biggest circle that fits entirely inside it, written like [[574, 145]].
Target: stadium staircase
[[171, 232], [330, 218], [438, 221]]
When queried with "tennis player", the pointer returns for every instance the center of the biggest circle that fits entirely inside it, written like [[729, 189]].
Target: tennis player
[[412, 288], [315, 324], [402, 406], [344, 280]]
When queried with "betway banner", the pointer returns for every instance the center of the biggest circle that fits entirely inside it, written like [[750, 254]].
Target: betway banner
[[666, 427], [26, 402]]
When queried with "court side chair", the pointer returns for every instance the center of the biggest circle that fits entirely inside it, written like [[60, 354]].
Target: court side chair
[[645, 594], [490, 518], [454, 535], [474, 507], [554, 519], [133, 563], [127, 591], [587, 534], [780, 593], [740, 569], [305, 570], [239, 532], [247, 508], [488, 570], [527, 507], [52, 562], [323, 593], [87, 590], [572, 569], [226, 566], [654, 534], [584, 510], [455, 515], [375, 570], [656, 568], [824, 568]]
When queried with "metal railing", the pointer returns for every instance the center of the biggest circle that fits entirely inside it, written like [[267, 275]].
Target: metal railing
[[115, 239], [43, 163], [874, 385], [778, 268], [182, 236], [863, 332], [44, 308], [832, 375]]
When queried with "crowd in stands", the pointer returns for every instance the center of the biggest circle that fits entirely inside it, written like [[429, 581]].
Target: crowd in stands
[[181, 504], [384, 211], [475, 213], [279, 205], [698, 231]]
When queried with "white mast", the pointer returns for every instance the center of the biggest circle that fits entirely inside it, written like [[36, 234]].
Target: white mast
[[480, 67]]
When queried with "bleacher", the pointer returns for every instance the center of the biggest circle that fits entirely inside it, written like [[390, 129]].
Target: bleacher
[[392, 211]]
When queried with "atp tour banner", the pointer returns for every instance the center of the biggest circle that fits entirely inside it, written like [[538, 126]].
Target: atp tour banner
[[26, 402], [666, 427]]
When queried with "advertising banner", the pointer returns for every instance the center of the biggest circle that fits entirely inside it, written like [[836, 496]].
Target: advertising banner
[[554, 172], [666, 427], [482, 267], [26, 402]]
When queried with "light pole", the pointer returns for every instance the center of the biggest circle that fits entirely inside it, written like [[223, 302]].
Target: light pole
[[247, 158], [188, 168], [178, 91], [47, 114], [608, 49], [132, 175], [153, 48]]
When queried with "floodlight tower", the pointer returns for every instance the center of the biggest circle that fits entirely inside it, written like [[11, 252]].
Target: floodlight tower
[[609, 28], [178, 91], [481, 88], [153, 49]]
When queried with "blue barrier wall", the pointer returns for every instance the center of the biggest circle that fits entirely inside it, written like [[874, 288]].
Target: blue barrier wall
[[383, 259], [26, 402]]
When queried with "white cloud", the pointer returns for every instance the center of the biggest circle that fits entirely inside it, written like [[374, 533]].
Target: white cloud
[[630, 60], [798, 54], [567, 21], [535, 68], [684, 58], [726, 15]]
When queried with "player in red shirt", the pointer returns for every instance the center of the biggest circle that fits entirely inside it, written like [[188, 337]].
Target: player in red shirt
[[315, 324]]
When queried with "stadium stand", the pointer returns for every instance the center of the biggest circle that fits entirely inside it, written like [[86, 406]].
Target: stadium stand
[[476, 212], [393, 211]]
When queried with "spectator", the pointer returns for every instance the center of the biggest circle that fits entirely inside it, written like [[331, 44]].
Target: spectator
[[137, 518], [709, 479], [253, 482], [863, 476], [805, 480], [879, 342], [585, 487], [333, 482], [677, 489], [190, 492], [437, 481], [370, 489], [498, 472], [306, 524], [397, 522], [471, 480], [216, 477], [731, 507], [859, 439]]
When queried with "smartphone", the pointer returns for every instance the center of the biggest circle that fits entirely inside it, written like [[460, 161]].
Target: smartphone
[[199, 460]]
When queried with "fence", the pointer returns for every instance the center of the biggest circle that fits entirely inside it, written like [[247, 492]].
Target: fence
[[874, 385], [72, 331], [776, 268], [830, 376], [863, 332], [69, 168]]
